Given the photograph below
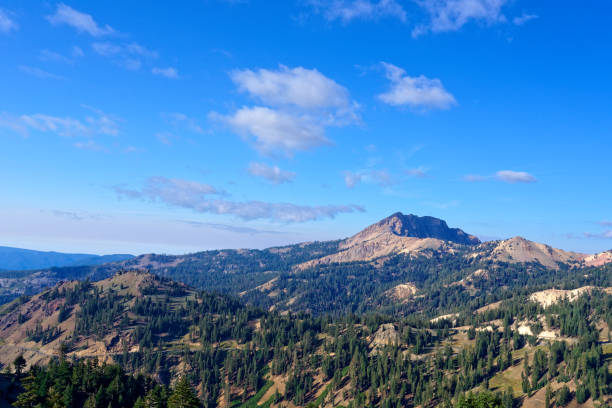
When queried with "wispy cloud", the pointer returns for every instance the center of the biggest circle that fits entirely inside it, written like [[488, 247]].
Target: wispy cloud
[[271, 173], [607, 234], [77, 51], [506, 176], [231, 228], [442, 206], [90, 145], [205, 198], [379, 177], [82, 22], [348, 10], [416, 92], [7, 24], [301, 103], [451, 15], [523, 18], [169, 72], [128, 56], [419, 172], [181, 120], [98, 123], [52, 56], [39, 73], [510, 176]]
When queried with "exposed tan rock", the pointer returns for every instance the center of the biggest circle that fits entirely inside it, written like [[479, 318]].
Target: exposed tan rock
[[386, 334], [451, 317], [551, 296], [518, 250], [402, 292], [598, 259]]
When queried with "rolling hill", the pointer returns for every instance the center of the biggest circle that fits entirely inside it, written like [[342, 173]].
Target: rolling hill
[[77, 333], [27, 259]]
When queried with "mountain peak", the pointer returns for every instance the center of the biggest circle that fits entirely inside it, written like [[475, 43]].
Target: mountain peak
[[422, 227]]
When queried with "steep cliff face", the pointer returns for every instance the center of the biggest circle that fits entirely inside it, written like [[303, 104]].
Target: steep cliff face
[[415, 227]]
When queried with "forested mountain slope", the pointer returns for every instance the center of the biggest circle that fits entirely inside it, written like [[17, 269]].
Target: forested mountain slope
[[230, 354], [401, 264]]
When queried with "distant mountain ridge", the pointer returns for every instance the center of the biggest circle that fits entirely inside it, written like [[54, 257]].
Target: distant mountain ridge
[[27, 259], [392, 262]]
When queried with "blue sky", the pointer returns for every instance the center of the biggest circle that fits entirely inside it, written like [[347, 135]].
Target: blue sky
[[206, 124]]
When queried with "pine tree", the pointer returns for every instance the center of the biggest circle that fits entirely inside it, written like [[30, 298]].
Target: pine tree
[[19, 364], [183, 396], [28, 398]]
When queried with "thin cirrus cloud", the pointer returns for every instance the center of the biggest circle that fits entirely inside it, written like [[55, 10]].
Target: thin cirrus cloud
[[128, 55], [182, 121], [452, 15], [418, 172], [169, 72], [82, 22], [349, 10], [436, 16], [7, 24], [39, 73], [299, 104], [96, 123], [415, 92], [506, 176], [524, 18], [378, 177], [204, 198], [271, 173]]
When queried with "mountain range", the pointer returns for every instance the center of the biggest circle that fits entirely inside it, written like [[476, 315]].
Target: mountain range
[[398, 255], [26, 259]]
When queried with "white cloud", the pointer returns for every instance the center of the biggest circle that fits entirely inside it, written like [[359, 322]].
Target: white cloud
[[348, 10], [82, 22], [304, 88], [273, 130], [178, 119], [523, 18], [169, 72], [271, 173], [204, 198], [301, 104], [510, 176], [507, 176], [379, 177], [39, 73], [6, 23], [416, 92], [451, 15]]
